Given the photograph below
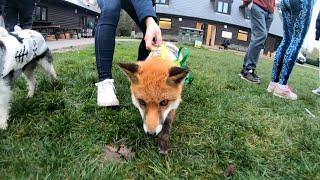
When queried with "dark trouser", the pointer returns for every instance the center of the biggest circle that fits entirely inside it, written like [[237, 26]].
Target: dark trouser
[[18, 8], [296, 21], [260, 24], [106, 33]]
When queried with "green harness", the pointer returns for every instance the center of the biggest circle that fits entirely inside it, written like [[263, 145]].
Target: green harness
[[183, 63]]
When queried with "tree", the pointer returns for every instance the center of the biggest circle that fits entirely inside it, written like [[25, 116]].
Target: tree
[[125, 25], [314, 53]]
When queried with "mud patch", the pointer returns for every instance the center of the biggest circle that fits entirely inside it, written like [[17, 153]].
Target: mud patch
[[116, 154]]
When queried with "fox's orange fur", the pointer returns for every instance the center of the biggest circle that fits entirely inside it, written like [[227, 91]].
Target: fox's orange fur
[[156, 86], [153, 87]]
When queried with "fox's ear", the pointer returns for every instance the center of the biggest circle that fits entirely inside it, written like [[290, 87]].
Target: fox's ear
[[176, 75], [130, 69]]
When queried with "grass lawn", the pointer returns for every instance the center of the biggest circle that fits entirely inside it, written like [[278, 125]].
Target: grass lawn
[[61, 133]]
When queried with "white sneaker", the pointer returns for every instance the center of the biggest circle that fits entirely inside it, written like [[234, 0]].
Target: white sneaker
[[271, 86], [316, 91], [106, 93], [284, 92]]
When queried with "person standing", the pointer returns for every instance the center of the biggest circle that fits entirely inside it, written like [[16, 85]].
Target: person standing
[[317, 91], [15, 10], [296, 21], [142, 12], [261, 19]]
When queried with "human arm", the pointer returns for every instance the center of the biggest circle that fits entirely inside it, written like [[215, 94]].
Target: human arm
[[147, 17]]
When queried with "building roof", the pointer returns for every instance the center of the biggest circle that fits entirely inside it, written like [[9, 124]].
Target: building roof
[[204, 9], [81, 3]]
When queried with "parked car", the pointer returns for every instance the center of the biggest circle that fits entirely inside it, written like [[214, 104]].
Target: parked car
[[301, 59]]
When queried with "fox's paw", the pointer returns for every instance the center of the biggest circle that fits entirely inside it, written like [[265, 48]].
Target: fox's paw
[[164, 151], [164, 144], [164, 148]]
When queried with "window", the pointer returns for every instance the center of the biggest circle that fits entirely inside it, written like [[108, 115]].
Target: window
[[41, 13], [44, 14], [199, 26], [165, 23], [223, 7], [242, 35], [161, 1]]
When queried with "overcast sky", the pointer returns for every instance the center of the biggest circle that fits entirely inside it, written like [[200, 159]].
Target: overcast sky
[[310, 41]]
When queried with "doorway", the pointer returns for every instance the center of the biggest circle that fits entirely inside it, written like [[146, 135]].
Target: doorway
[[211, 35]]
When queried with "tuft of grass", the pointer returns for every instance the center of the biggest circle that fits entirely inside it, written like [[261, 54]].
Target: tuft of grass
[[60, 133]]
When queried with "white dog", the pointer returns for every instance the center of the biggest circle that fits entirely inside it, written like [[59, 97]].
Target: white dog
[[20, 52]]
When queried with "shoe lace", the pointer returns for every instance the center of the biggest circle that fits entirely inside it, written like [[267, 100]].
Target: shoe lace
[[107, 86]]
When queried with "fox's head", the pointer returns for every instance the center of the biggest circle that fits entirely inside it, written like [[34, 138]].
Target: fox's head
[[156, 86]]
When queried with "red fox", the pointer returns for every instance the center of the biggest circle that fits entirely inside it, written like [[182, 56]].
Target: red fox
[[156, 86]]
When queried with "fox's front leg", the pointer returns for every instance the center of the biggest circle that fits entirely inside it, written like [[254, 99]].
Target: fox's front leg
[[164, 134]]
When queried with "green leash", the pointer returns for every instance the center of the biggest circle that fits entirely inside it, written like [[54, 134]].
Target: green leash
[[183, 63]]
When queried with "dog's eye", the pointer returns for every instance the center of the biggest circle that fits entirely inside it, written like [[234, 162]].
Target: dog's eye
[[142, 102], [164, 102]]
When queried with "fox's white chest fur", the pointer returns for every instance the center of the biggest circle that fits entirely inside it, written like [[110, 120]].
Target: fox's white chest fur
[[14, 54]]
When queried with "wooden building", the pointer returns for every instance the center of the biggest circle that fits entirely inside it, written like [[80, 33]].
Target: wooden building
[[59, 16], [219, 19]]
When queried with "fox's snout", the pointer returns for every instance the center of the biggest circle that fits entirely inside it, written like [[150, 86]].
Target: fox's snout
[[152, 132], [152, 124]]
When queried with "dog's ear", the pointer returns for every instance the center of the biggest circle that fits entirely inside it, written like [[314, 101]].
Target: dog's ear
[[130, 69], [176, 76]]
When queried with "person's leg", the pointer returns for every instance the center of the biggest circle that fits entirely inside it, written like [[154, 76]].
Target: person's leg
[[105, 36], [301, 11], [25, 13], [10, 15], [258, 37], [143, 53], [301, 14], [288, 29], [104, 50]]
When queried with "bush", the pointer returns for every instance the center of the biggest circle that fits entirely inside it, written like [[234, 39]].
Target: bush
[[313, 62], [125, 25]]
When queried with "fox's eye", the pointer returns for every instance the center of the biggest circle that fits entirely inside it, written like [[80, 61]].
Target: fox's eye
[[164, 103], [142, 102]]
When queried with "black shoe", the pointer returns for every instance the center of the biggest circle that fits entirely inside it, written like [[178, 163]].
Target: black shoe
[[255, 75], [250, 76]]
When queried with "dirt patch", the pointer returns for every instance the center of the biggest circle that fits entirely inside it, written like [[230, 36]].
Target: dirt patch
[[116, 154], [72, 48]]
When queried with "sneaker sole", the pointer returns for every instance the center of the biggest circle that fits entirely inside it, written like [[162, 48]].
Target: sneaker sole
[[315, 92], [108, 105], [270, 90], [284, 97], [248, 80]]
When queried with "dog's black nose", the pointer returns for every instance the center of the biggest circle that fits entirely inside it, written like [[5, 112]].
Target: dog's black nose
[[151, 133]]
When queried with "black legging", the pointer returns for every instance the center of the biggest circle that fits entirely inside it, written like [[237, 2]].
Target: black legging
[[106, 33], [18, 8]]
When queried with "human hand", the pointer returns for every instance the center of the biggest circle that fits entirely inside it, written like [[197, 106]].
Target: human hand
[[153, 31], [250, 5]]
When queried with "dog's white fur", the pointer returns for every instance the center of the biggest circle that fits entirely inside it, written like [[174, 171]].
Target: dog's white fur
[[35, 52], [5, 94]]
